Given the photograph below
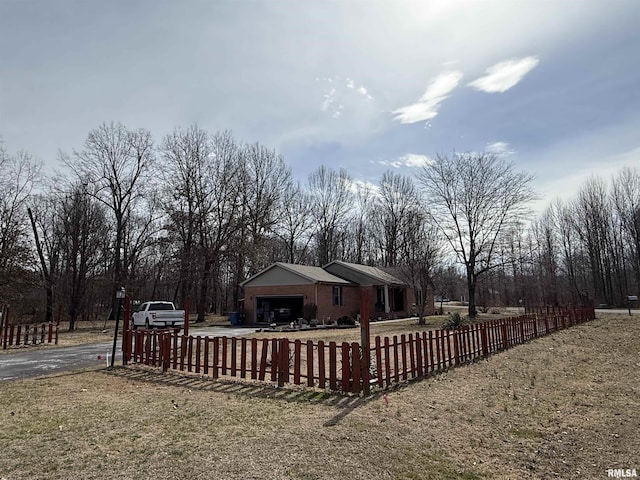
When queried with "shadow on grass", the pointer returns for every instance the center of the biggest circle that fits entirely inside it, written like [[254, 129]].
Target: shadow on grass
[[241, 387]]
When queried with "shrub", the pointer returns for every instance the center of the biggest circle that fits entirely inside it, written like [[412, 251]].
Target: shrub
[[453, 321], [346, 320]]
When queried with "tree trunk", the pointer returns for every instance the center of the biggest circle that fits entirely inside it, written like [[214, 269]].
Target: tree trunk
[[471, 288], [204, 289], [45, 271]]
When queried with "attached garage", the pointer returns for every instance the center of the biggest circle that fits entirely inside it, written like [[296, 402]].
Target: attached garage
[[279, 292], [278, 308]]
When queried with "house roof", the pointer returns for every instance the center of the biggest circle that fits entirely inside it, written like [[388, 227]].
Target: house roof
[[375, 273], [312, 274]]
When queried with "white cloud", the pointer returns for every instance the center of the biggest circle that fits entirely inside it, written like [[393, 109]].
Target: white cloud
[[504, 75], [360, 186], [427, 106], [328, 99], [500, 149], [411, 160], [340, 92], [363, 91]]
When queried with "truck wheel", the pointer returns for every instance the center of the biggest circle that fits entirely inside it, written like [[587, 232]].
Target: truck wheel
[[146, 324], [133, 325]]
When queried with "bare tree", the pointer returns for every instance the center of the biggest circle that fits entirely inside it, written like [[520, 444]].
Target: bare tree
[[593, 227], [294, 224], [475, 199], [626, 198], [360, 234], [263, 180], [331, 196], [115, 163], [420, 257], [186, 156], [394, 214], [546, 253], [78, 231], [219, 199], [573, 261], [18, 174]]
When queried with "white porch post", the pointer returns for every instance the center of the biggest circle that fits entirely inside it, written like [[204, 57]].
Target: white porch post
[[387, 307]]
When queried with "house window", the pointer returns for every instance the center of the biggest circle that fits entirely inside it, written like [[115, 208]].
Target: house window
[[337, 295]]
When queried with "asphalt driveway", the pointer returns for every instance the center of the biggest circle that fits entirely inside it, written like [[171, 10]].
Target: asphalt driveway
[[26, 363]]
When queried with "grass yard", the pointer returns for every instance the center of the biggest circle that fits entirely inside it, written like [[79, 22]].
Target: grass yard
[[564, 406]]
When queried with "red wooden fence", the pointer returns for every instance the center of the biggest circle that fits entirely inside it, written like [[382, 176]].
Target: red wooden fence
[[339, 366], [26, 334]]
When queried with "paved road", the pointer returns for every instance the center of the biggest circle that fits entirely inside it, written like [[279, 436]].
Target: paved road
[[33, 363]]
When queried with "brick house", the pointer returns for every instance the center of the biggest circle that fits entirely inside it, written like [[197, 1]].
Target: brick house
[[279, 292], [390, 297]]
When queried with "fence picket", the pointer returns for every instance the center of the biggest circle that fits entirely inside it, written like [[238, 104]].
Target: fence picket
[[297, 352], [243, 358], [387, 361], [356, 371], [310, 379], [322, 378], [234, 356], [254, 358], [198, 352], [274, 359], [223, 358], [263, 359], [206, 355], [216, 355], [378, 348], [333, 375], [418, 355]]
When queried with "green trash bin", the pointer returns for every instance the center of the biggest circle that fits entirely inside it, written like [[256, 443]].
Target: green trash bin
[[235, 318]]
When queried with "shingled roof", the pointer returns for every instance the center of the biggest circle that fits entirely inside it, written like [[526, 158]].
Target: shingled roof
[[375, 273], [313, 274]]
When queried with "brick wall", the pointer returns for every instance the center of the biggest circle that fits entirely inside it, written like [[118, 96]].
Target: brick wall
[[324, 300], [350, 299]]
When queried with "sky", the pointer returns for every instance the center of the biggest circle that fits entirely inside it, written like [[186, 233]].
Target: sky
[[369, 86]]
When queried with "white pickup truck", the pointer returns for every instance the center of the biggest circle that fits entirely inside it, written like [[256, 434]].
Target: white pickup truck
[[157, 314]]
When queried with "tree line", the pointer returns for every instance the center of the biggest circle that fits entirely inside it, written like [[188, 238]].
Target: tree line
[[191, 216]]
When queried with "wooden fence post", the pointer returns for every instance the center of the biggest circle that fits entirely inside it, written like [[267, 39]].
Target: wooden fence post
[[365, 338]]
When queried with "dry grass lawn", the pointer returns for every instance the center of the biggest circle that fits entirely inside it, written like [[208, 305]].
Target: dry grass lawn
[[565, 406]]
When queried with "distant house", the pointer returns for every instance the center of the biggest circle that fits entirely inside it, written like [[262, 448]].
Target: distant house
[[279, 292]]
